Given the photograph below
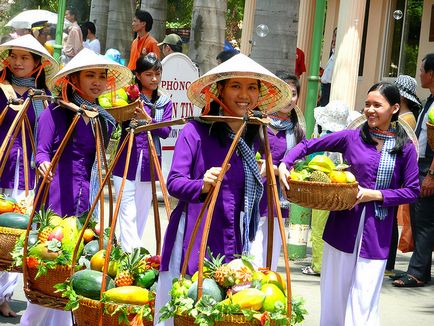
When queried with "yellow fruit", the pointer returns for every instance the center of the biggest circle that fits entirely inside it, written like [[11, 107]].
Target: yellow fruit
[[272, 295], [322, 163], [88, 235], [104, 102], [338, 177], [129, 295], [247, 299], [122, 94], [295, 175], [120, 102], [350, 177]]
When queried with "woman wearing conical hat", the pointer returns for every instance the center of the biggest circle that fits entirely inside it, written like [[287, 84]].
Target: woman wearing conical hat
[[382, 154], [80, 82], [24, 64], [234, 88]]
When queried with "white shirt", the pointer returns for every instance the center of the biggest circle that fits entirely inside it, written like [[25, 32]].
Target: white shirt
[[327, 75], [94, 45]]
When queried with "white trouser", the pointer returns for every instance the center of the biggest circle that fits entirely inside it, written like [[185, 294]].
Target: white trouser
[[36, 315], [8, 281], [134, 209], [165, 278], [350, 286], [258, 246]]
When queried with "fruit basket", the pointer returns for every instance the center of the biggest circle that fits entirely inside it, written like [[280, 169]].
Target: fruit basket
[[8, 238], [430, 134], [321, 184], [320, 195], [123, 113]]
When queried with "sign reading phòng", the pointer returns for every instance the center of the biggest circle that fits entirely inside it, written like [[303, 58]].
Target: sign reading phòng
[[178, 74]]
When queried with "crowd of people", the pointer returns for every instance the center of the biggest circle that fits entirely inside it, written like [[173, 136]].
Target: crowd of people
[[387, 151]]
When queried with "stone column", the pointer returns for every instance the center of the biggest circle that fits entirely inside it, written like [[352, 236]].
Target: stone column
[[247, 31], [304, 42], [348, 44]]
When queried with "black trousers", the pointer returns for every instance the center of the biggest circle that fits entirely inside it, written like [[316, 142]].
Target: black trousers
[[325, 94], [422, 227]]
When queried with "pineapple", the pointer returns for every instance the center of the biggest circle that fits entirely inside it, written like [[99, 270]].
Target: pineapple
[[318, 176], [43, 218], [130, 267], [225, 276]]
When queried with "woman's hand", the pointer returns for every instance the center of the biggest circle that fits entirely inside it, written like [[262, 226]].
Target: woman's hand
[[427, 187], [366, 195], [210, 178], [283, 177], [263, 168], [43, 168]]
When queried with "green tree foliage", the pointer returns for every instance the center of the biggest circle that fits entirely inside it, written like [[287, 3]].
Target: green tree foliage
[[179, 13]]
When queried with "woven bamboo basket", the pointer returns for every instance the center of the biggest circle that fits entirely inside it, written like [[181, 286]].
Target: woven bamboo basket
[[123, 113], [88, 314], [325, 196], [8, 238], [228, 320], [41, 290], [430, 133]]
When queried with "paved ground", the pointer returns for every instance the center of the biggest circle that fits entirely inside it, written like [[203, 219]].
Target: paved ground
[[404, 307]]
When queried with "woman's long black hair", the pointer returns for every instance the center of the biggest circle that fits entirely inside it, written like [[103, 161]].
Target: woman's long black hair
[[40, 81], [391, 93], [144, 63]]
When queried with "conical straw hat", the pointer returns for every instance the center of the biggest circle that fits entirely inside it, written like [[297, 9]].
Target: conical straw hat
[[29, 43], [88, 59], [274, 95], [358, 122]]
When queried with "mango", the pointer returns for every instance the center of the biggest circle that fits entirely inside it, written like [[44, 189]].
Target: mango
[[350, 177], [275, 278], [41, 251], [237, 264], [129, 295], [272, 295], [247, 299], [338, 177], [119, 102]]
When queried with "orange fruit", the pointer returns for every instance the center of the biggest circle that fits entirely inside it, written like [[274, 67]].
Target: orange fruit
[[88, 235]]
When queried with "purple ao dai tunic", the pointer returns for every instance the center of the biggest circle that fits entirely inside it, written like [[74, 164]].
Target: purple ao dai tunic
[[341, 228]]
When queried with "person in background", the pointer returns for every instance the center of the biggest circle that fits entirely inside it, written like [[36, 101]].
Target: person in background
[[326, 78], [27, 65], [284, 132], [91, 42], [226, 55], [40, 31], [421, 213], [144, 43], [137, 194], [172, 43], [383, 158], [74, 41], [409, 111]]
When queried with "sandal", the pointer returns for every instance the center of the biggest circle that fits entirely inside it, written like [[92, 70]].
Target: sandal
[[397, 276], [308, 270], [408, 281]]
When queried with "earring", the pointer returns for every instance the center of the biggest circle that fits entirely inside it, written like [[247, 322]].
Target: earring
[[393, 124]]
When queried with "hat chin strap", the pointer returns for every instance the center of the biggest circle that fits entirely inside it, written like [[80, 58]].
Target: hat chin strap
[[63, 83], [210, 95]]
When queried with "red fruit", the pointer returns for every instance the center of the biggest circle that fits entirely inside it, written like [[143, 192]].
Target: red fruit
[[133, 92], [32, 262], [57, 234], [97, 229], [154, 261]]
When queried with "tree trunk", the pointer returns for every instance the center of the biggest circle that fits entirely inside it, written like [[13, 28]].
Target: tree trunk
[[276, 51], [207, 32], [99, 16], [158, 11], [119, 32]]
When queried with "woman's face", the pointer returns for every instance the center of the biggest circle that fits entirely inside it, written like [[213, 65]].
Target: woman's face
[[92, 83], [22, 63], [150, 79], [239, 95], [287, 109], [378, 111]]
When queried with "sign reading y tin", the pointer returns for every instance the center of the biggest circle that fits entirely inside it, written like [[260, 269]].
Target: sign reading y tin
[[178, 74]]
